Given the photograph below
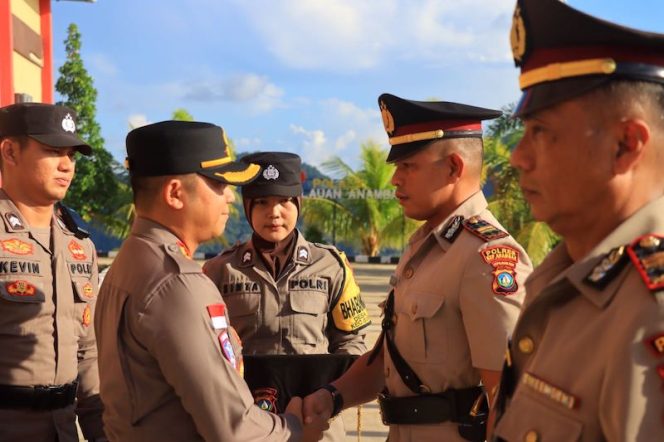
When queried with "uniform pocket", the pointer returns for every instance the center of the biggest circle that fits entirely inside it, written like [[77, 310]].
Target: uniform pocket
[[309, 318], [530, 419], [21, 291], [417, 324], [84, 290], [243, 312]]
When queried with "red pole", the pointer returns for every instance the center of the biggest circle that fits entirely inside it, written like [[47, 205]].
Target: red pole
[[6, 50], [47, 42]]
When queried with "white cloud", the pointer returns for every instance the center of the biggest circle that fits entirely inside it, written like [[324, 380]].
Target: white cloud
[[248, 144], [313, 144], [255, 90], [354, 35], [103, 64]]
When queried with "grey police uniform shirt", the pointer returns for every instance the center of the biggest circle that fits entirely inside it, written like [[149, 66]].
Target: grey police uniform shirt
[[588, 351], [313, 308], [170, 365], [458, 292], [47, 300]]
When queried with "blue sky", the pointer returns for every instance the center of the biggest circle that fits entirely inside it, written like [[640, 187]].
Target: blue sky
[[298, 75]]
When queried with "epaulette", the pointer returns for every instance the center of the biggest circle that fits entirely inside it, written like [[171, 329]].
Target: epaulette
[[608, 268], [67, 217], [647, 255], [326, 246], [452, 229], [178, 253], [483, 229], [230, 249]]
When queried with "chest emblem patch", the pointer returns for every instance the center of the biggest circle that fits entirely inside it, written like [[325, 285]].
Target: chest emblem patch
[[503, 259], [77, 251], [20, 288], [17, 247], [87, 316]]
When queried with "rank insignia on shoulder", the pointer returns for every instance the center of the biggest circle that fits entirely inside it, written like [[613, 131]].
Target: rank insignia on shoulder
[[483, 229], [607, 269], [246, 257], [452, 228], [647, 255], [503, 259], [655, 344]]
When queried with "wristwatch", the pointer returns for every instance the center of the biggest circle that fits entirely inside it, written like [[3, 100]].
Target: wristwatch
[[337, 399]]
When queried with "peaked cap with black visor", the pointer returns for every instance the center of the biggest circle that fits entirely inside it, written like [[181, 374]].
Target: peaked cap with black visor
[[564, 53], [411, 125], [183, 147], [52, 125]]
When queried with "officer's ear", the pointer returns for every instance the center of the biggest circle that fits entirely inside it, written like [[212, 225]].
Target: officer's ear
[[9, 148], [632, 137], [455, 165], [173, 193]]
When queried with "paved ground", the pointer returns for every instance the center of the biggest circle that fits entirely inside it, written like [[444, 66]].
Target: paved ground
[[373, 280], [364, 424]]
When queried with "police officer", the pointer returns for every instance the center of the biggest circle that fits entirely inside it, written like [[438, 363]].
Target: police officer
[[170, 364], [587, 355], [457, 289], [286, 295], [48, 283]]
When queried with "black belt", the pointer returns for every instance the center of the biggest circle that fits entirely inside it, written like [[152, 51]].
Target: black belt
[[50, 397], [451, 405]]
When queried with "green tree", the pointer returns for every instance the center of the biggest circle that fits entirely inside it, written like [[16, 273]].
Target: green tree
[[181, 114], [95, 191], [367, 223], [507, 202]]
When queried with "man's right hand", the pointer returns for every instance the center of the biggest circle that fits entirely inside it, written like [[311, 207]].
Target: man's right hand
[[314, 425], [318, 403]]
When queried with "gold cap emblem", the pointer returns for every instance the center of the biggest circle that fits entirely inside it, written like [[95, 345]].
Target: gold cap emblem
[[388, 120], [518, 35]]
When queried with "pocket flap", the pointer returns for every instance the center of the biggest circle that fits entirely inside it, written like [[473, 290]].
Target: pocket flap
[[546, 423], [84, 289], [308, 302], [242, 304], [21, 290], [423, 305]]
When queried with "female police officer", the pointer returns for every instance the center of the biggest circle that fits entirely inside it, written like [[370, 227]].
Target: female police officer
[[286, 295]]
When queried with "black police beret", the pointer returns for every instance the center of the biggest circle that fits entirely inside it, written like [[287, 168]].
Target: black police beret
[[411, 125], [49, 124], [183, 147], [281, 175], [564, 53]]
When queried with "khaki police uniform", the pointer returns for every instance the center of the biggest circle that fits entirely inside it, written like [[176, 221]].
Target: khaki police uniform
[[587, 353], [313, 308], [169, 371], [457, 293], [47, 301]]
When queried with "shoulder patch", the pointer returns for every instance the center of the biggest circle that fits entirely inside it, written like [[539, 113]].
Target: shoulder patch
[[452, 228], [349, 313], [483, 229], [503, 259], [607, 269], [647, 255]]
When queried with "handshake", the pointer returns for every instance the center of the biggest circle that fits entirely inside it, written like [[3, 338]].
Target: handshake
[[314, 413]]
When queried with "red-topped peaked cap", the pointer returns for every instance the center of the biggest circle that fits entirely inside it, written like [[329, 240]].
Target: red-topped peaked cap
[[564, 53], [411, 125]]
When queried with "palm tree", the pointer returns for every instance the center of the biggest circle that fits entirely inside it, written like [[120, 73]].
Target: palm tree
[[367, 216], [507, 202]]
